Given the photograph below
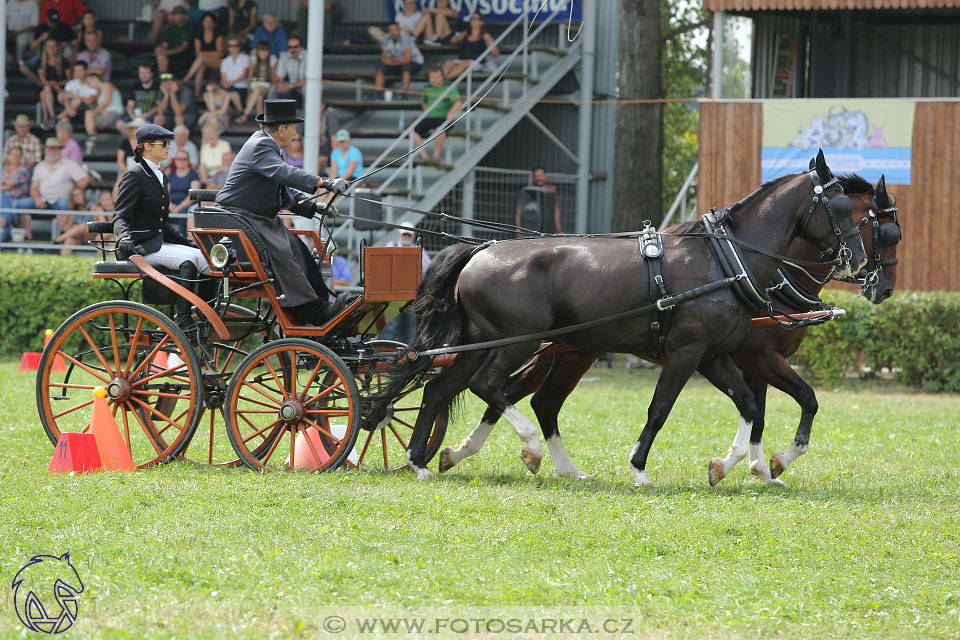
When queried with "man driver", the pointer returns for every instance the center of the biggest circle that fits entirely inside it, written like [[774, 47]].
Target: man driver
[[258, 187]]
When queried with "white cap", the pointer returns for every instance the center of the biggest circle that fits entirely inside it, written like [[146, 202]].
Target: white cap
[[407, 223]]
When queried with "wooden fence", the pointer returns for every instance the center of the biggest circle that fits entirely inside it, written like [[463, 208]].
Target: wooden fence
[[730, 141]]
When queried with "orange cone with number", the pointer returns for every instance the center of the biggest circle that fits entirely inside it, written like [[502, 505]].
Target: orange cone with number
[[114, 453], [58, 364]]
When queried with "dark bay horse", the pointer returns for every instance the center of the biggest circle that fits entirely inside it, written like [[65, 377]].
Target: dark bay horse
[[761, 356], [520, 289]]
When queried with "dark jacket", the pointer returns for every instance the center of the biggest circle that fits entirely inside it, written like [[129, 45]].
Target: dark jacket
[[142, 211]]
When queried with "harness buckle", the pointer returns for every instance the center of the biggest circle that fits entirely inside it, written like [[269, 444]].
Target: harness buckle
[[663, 304]]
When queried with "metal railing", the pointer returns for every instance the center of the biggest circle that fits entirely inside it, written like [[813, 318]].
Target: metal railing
[[680, 201]]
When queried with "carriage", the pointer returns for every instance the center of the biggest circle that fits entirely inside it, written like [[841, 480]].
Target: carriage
[[285, 395]]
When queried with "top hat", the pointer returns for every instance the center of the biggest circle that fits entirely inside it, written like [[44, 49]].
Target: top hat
[[279, 112]]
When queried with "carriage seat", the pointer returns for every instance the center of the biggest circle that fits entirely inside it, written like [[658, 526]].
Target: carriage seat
[[120, 266], [211, 218]]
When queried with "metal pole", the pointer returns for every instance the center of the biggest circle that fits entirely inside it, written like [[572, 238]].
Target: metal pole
[[314, 87], [3, 67], [718, 20], [585, 137], [467, 206]]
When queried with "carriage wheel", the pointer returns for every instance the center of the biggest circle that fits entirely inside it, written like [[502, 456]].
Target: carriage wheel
[[143, 360], [298, 399], [210, 445], [382, 444]]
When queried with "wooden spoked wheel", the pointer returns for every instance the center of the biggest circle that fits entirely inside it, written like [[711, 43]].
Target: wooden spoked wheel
[[382, 444], [142, 359], [292, 404], [210, 444]]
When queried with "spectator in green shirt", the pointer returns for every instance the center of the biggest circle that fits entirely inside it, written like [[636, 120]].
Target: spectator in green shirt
[[439, 112], [174, 54]]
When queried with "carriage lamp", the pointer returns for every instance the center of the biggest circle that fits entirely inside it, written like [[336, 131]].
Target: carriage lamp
[[222, 254]]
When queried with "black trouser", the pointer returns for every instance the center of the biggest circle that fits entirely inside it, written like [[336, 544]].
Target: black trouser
[[314, 312]]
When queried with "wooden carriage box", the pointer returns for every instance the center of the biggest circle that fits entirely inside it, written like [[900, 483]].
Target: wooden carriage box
[[391, 273]]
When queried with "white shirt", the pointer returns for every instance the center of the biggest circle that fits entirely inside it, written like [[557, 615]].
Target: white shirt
[[236, 70], [155, 168], [22, 14], [80, 89], [409, 22]]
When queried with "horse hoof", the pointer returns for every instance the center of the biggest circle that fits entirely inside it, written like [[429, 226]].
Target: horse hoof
[[642, 481], [576, 474], [715, 471], [421, 473], [445, 463], [776, 465], [532, 460]]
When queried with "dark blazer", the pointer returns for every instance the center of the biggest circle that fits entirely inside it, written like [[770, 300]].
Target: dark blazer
[[143, 209]]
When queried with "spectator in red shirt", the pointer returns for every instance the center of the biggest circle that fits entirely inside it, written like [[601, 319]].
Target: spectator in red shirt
[[70, 10]]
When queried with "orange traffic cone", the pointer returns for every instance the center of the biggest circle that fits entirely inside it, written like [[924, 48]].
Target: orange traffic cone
[[113, 450], [58, 364], [303, 457], [75, 452]]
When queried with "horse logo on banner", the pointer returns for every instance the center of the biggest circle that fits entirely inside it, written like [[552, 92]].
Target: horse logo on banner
[[33, 586]]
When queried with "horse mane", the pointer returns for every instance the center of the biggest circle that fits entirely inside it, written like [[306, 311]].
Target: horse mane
[[854, 184]]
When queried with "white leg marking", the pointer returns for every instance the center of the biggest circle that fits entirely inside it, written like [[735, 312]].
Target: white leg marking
[[640, 476], [759, 468], [422, 472], [720, 467], [471, 444], [561, 461], [785, 459], [526, 430]]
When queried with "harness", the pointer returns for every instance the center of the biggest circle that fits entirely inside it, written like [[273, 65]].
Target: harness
[[885, 234], [651, 251]]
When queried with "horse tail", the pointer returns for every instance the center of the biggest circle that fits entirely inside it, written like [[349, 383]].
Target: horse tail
[[438, 324]]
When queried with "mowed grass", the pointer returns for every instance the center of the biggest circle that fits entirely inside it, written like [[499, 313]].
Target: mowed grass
[[863, 542]]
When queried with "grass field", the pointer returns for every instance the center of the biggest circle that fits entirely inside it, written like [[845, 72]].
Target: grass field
[[863, 542]]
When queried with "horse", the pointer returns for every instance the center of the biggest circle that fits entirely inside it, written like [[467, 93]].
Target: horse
[[587, 288], [762, 355]]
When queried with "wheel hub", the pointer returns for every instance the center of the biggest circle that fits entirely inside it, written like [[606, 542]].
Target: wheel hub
[[119, 390], [291, 411]]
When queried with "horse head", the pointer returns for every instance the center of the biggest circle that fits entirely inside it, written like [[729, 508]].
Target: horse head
[[879, 277], [828, 222]]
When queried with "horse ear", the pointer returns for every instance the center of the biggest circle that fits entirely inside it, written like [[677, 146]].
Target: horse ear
[[883, 200], [823, 171], [813, 164]]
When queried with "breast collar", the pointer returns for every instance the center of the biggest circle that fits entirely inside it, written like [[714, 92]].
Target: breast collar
[[728, 254]]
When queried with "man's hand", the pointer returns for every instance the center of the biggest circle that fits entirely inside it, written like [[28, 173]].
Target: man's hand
[[283, 87], [126, 247], [334, 185]]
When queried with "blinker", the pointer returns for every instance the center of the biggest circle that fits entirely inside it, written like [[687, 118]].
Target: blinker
[[842, 207], [889, 235]]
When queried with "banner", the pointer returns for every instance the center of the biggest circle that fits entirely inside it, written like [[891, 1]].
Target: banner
[[497, 10], [867, 137]]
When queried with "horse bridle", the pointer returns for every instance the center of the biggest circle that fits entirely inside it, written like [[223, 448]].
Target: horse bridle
[[837, 207], [886, 234]]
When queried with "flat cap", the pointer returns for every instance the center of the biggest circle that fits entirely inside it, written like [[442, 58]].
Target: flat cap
[[152, 132]]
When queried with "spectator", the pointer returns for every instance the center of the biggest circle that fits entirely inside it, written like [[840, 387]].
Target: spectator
[[234, 69], [340, 269], [211, 152], [78, 95], [87, 24], [96, 57], [69, 149], [182, 179], [346, 161], [103, 204], [105, 114], [540, 180], [439, 110], [166, 9], [174, 53], [29, 144], [69, 11], [399, 55], [243, 19], [208, 47], [73, 229], [176, 105], [409, 22], [182, 142], [217, 101], [15, 193], [328, 125], [291, 73], [473, 42], [435, 23], [272, 32], [332, 13], [143, 104], [259, 80], [54, 178], [53, 30], [125, 160], [53, 78], [219, 9], [293, 154], [23, 17], [220, 177]]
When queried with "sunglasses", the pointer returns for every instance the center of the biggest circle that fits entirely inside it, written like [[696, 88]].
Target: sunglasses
[[162, 143], [232, 45]]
